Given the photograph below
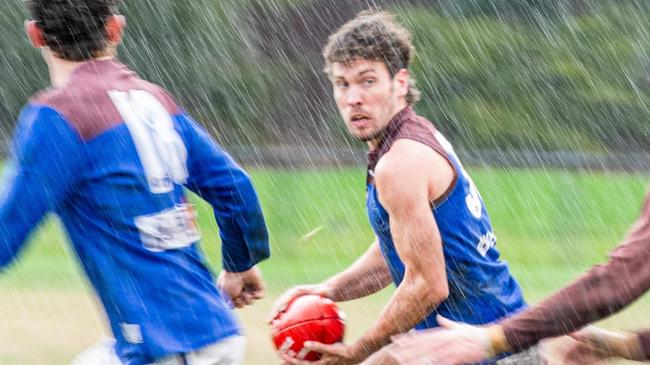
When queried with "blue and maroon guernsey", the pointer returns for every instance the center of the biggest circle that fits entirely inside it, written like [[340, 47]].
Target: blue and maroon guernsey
[[481, 289], [111, 154]]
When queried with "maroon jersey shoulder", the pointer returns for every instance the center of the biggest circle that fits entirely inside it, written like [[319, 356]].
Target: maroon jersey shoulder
[[85, 101], [422, 130], [406, 125]]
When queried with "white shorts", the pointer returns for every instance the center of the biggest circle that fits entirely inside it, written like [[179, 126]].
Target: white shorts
[[229, 351]]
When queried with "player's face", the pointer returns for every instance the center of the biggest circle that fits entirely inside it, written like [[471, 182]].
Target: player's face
[[367, 96]]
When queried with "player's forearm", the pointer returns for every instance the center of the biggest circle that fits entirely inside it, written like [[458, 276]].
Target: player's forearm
[[242, 227], [368, 275], [629, 346], [416, 297], [245, 248], [643, 339]]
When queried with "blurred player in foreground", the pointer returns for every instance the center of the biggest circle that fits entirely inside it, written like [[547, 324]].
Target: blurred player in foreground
[[602, 291], [434, 239], [111, 154]]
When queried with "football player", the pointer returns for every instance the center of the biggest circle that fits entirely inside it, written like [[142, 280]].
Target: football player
[[112, 154], [434, 239]]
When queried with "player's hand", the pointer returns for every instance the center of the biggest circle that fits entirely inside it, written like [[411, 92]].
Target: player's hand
[[243, 288], [283, 301], [573, 352], [453, 343], [334, 354], [593, 345]]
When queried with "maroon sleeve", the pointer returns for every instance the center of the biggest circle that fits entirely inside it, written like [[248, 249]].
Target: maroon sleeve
[[644, 338], [604, 290]]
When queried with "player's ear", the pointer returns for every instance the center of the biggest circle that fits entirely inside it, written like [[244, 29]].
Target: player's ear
[[402, 81], [115, 25], [35, 34]]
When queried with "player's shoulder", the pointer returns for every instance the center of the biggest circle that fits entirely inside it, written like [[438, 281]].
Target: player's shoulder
[[50, 98], [404, 160], [413, 163], [406, 154], [40, 125], [40, 107], [76, 107]]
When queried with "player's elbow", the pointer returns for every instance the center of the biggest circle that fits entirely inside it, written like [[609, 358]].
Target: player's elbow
[[263, 253], [436, 293], [432, 290]]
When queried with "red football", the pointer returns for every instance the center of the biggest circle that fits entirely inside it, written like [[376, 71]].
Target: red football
[[307, 318]]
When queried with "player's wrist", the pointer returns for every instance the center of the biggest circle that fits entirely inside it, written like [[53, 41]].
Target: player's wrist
[[364, 347], [625, 345], [327, 289], [629, 347], [497, 340]]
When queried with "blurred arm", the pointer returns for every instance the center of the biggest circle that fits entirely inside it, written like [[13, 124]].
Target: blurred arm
[[604, 290], [46, 153], [594, 342], [215, 177], [643, 339]]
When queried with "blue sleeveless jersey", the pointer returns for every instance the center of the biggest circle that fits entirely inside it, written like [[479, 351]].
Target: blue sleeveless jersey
[[481, 288]]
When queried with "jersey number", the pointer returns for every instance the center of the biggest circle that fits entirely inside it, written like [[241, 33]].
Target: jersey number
[[473, 198], [160, 148]]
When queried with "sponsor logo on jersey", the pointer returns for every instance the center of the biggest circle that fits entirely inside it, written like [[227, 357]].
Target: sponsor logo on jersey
[[487, 241], [169, 229], [131, 332]]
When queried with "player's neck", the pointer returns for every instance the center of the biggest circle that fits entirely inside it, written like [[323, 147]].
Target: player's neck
[[61, 70]]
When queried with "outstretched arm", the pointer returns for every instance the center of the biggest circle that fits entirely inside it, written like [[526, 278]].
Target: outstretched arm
[[45, 159]]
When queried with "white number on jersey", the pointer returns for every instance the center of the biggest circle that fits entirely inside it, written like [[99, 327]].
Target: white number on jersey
[[473, 198], [160, 148]]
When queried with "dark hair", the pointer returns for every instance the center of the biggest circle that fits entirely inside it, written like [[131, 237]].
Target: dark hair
[[373, 35], [73, 29]]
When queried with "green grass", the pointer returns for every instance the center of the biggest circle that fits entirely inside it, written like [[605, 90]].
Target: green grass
[[551, 225]]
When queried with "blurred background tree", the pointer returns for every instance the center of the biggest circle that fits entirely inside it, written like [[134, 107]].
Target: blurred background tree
[[542, 75]]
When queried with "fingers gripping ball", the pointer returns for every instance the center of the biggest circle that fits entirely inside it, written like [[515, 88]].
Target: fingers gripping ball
[[307, 318]]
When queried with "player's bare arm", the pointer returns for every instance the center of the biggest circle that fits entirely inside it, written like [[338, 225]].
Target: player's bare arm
[[367, 275]]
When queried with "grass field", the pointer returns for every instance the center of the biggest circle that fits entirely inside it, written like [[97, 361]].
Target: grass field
[[551, 225]]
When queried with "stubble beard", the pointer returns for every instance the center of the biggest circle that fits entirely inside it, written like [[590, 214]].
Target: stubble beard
[[378, 132], [373, 135]]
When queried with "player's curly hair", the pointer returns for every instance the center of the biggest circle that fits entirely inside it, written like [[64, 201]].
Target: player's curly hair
[[373, 35], [73, 29]]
